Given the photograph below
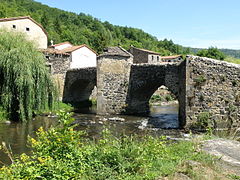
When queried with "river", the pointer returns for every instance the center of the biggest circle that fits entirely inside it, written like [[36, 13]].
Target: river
[[163, 120]]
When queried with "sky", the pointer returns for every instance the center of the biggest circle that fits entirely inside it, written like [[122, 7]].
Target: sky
[[191, 23]]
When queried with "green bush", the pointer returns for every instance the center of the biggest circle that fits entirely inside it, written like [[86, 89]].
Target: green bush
[[156, 98], [62, 153], [169, 97], [203, 120]]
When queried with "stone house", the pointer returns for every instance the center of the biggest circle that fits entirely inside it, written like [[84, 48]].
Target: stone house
[[25, 24], [144, 56], [175, 58], [81, 56]]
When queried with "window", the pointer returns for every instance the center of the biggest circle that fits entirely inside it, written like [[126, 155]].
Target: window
[[152, 58], [27, 29], [14, 26], [157, 58]]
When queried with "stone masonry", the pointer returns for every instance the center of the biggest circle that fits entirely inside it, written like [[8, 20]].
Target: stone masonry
[[58, 65], [113, 71], [213, 89]]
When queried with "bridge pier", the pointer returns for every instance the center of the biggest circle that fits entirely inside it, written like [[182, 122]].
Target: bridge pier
[[113, 71]]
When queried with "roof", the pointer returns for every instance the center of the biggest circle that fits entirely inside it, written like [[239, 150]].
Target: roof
[[59, 44], [74, 48], [171, 57], [116, 51], [53, 51], [24, 17], [145, 50]]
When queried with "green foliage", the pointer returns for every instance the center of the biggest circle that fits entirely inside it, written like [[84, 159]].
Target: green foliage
[[200, 80], [156, 98], [232, 60], [62, 153], [169, 97], [203, 120], [211, 52], [25, 84], [85, 29], [3, 115]]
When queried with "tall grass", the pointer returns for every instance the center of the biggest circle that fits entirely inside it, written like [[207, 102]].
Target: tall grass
[[25, 83]]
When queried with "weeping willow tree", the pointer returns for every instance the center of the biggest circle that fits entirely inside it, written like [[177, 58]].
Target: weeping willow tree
[[25, 83]]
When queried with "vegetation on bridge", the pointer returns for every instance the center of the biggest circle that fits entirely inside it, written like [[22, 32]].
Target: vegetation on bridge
[[25, 83]]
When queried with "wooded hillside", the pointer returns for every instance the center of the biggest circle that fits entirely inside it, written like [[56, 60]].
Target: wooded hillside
[[85, 29]]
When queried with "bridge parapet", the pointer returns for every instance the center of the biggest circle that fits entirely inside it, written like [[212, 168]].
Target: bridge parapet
[[213, 93]]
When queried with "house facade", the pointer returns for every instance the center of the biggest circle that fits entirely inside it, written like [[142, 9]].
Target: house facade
[[81, 56], [33, 30], [144, 56]]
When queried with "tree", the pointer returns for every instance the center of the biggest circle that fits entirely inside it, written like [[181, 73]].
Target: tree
[[25, 83], [212, 52]]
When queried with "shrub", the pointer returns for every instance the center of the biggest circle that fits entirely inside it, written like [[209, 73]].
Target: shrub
[[203, 120], [62, 153], [200, 80]]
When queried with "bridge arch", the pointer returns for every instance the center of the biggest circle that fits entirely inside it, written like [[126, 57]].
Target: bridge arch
[[79, 84], [146, 79]]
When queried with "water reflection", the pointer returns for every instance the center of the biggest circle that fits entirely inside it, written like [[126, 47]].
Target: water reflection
[[16, 134]]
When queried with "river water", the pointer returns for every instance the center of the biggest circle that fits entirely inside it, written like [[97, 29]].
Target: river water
[[163, 120]]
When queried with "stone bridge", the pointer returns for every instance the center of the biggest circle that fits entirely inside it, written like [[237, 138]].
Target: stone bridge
[[207, 90]]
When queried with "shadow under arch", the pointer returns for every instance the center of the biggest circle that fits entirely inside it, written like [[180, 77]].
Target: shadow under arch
[[146, 79], [79, 85]]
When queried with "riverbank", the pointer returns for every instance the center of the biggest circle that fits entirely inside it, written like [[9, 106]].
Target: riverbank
[[58, 106], [70, 154]]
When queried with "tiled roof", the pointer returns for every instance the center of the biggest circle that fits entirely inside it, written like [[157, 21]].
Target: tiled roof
[[116, 51], [74, 48], [59, 44], [171, 57], [53, 51], [145, 50], [24, 17]]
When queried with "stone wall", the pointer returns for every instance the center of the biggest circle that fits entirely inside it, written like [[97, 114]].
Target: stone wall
[[112, 83], [144, 56], [139, 56], [213, 93], [58, 65]]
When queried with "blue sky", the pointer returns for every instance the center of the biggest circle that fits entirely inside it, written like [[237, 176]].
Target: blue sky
[[194, 23]]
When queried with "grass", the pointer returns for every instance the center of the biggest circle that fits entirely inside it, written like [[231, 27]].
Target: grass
[[62, 153], [232, 60]]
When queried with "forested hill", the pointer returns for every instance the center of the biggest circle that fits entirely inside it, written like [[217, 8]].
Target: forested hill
[[228, 52], [81, 28]]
